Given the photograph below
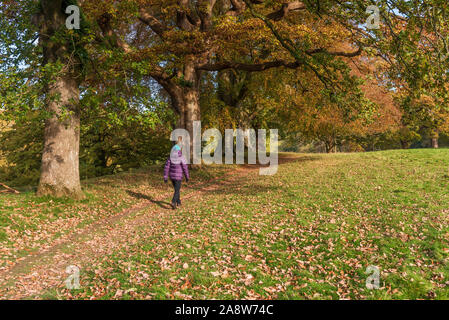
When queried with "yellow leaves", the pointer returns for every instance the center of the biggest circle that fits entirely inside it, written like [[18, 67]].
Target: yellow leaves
[[239, 35], [97, 8], [226, 22]]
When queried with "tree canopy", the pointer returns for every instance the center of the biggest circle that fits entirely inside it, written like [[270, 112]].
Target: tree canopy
[[328, 70]]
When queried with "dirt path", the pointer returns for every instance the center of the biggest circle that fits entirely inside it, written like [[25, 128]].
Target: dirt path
[[46, 269]]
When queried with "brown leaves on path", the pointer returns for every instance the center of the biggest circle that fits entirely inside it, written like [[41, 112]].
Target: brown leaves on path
[[47, 268]]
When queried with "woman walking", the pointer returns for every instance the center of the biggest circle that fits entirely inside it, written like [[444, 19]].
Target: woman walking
[[175, 168]]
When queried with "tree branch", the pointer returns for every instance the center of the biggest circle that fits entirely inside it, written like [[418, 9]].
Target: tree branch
[[184, 20], [248, 66], [239, 6], [335, 53], [114, 40], [104, 22], [8, 189], [205, 10], [286, 9], [157, 26]]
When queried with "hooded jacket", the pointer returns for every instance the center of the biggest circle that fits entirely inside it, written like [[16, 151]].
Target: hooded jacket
[[176, 165]]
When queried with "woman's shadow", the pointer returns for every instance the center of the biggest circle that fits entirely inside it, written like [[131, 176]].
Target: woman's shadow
[[137, 195]]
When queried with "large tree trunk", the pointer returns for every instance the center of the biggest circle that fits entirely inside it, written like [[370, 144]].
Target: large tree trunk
[[329, 145], [60, 159], [191, 95], [189, 113], [185, 100], [434, 139]]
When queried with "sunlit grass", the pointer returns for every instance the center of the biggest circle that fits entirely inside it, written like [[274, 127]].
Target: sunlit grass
[[308, 232]]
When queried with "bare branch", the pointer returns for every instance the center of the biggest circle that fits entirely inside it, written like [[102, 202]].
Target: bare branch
[[8, 189], [335, 53], [286, 9], [205, 12], [218, 66], [157, 26], [237, 8], [113, 39], [184, 20]]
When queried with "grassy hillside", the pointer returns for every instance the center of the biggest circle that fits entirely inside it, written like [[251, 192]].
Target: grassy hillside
[[28, 223], [308, 232]]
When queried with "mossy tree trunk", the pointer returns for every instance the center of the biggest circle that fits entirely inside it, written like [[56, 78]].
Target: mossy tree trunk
[[60, 159]]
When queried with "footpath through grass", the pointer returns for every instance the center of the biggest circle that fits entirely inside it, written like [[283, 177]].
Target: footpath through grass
[[308, 232], [30, 224]]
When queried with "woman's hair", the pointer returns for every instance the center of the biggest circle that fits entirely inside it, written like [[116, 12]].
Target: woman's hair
[[178, 143]]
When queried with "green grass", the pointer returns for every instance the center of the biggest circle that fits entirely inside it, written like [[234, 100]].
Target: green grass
[[308, 232], [28, 223]]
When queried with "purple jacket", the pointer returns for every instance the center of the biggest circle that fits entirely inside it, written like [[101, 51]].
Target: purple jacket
[[176, 166]]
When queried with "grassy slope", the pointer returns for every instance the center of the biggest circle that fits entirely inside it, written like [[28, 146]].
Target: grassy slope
[[308, 232], [29, 223]]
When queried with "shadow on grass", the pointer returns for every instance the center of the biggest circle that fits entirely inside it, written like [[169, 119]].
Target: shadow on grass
[[283, 160], [241, 187], [227, 187], [140, 196]]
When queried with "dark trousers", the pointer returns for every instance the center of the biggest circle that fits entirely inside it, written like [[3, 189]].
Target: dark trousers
[[177, 195]]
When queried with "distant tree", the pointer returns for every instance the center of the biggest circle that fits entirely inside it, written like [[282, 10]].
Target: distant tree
[[426, 116]]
